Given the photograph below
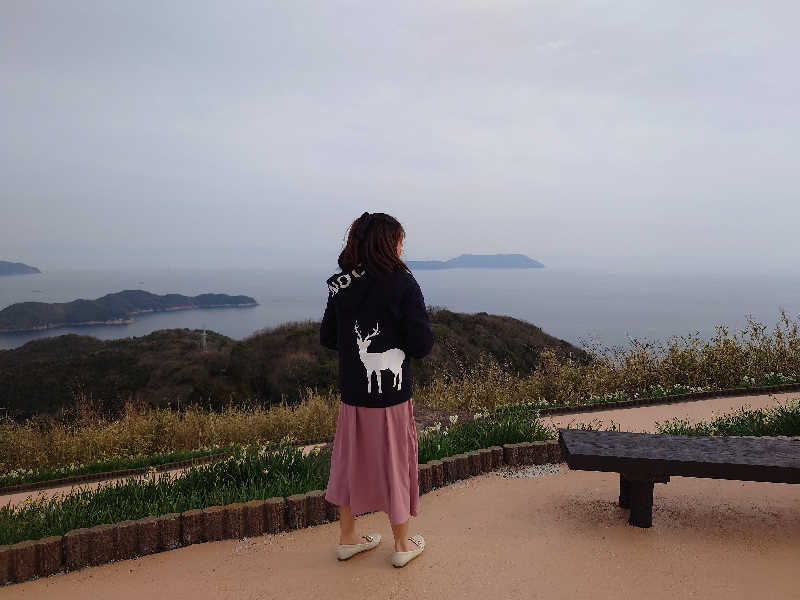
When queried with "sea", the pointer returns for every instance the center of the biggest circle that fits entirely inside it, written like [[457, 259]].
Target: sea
[[585, 306]]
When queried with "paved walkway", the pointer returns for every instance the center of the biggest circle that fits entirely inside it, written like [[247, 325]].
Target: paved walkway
[[643, 418], [553, 536], [557, 536]]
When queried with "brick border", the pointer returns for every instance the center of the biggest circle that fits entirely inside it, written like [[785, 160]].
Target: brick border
[[101, 544], [555, 410]]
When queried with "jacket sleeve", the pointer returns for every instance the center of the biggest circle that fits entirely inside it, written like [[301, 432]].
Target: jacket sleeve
[[417, 327], [327, 330]]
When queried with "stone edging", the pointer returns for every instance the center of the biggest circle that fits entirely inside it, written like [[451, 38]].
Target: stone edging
[[92, 477], [599, 406], [105, 543]]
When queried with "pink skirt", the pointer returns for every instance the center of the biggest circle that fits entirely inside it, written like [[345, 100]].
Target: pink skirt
[[374, 461]]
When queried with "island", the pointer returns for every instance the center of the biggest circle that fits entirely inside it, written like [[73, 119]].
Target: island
[[111, 309], [12, 268], [478, 261]]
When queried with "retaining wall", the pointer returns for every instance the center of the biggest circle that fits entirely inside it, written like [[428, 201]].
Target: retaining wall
[[105, 543]]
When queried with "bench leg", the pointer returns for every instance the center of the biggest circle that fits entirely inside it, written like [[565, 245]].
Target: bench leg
[[624, 491], [641, 501]]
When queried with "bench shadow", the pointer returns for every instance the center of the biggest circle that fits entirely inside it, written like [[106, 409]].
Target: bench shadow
[[586, 512], [684, 515]]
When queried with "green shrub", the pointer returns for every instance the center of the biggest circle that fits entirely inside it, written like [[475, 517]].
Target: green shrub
[[436, 442], [783, 419], [254, 472]]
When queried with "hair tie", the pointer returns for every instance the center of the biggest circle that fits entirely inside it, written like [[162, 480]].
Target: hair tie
[[361, 230]]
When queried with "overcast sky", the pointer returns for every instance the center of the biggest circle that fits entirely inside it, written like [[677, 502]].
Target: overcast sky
[[184, 134]]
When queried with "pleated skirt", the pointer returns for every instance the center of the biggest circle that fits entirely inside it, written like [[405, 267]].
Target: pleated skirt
[[374, 461]]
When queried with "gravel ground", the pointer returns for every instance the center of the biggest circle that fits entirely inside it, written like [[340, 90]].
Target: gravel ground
[[529, 471]]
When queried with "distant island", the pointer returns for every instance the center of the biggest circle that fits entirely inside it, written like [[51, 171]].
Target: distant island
[[11, 268], [111, 309], [478, 261]]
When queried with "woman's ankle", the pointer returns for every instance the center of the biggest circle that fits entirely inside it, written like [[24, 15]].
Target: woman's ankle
[[404, 546], [348, 537]]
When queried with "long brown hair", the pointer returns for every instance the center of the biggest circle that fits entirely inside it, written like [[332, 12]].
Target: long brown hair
[[377, 251]]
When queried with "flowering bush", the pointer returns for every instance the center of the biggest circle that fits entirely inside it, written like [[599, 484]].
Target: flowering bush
[[683, 364]]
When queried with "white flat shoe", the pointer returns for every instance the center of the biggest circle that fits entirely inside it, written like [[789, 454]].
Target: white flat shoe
[[345, 551], [399, 559]]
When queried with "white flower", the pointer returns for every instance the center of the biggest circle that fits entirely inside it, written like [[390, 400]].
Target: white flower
[[453, 419]]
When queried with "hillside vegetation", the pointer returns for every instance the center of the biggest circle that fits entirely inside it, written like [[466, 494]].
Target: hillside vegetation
[[167, 367], [751, 358]]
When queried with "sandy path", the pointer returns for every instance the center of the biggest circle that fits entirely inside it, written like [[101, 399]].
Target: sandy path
[[14, 499], [554, 536], [643, 418]]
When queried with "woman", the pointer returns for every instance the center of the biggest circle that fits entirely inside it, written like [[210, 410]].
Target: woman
[[376, 319]]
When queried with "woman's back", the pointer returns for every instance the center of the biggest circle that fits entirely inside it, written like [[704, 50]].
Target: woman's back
[[377, 323]]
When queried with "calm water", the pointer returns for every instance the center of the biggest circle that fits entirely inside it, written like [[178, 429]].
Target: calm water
[[576, 305]]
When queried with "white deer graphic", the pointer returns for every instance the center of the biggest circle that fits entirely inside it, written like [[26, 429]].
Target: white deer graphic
[[375, 362]]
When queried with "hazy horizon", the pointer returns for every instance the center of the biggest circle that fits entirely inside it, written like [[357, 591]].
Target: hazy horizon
[[569, 304], [632, 135]]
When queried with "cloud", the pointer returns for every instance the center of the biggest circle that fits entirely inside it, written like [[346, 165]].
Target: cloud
[[578, 130]]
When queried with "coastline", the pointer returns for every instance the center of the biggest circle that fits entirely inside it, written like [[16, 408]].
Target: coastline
[[122, 321]]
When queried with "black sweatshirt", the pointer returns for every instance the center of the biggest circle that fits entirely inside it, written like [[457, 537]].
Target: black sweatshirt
[[376, 323]]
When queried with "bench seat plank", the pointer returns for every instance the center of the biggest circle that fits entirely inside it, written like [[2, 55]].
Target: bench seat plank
[[646, 455]]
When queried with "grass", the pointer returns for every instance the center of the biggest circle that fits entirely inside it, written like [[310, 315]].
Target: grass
[[252, 472], [487, 430], [783, 419], [780, 420], [143, 432], [108, 465], [749, 358], [682, 364], [265, 471], [279, 468]]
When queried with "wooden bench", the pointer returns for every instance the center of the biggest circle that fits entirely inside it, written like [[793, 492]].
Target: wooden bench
[[642, 459]]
